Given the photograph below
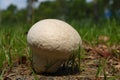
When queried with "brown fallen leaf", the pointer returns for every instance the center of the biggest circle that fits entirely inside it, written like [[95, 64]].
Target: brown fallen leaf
[[117, 66], [102, 53], [103, 50], [103, 38]]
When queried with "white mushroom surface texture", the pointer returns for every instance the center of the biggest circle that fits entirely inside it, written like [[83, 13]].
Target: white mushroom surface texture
[[52, 42]]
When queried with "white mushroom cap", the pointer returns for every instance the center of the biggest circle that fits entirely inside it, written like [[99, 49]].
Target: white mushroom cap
[[52, 42]]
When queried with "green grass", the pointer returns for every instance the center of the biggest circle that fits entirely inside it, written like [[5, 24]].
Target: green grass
[[90, 32], [13, 38], [12, 42]]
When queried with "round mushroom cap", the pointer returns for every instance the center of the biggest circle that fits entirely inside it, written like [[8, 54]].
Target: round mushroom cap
[[54, 39], [54, 35]]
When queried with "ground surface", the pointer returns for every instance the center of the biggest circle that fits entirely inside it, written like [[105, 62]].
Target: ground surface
[[98, 63]]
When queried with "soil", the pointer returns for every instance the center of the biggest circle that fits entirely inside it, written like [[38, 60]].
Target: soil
[[99, 63]]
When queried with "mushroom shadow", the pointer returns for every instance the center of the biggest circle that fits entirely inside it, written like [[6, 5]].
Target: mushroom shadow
[[63, 71]]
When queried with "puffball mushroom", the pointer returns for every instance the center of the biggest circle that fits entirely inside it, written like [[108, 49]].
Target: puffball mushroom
[[52, 42]]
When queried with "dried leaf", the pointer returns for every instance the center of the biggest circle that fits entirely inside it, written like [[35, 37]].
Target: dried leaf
[[103, 38], [103, 50], [117, 66]]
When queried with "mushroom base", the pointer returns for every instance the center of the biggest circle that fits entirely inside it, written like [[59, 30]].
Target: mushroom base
[[48, 61]]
